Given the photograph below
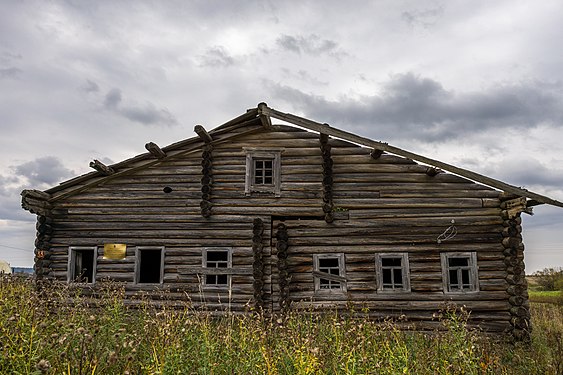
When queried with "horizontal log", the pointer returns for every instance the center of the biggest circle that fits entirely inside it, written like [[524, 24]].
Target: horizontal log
[[216, 271]]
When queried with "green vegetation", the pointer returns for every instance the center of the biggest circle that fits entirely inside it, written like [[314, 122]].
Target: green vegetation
[[552, 296], [47, 335], [548, 279]]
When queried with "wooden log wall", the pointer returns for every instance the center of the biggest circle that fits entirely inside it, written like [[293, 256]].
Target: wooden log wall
[[258, 265], [521, 327], [42, 253], [206, 179], [327, 178], [380, 205]]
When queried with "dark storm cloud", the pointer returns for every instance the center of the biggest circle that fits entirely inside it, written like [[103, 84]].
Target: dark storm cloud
[[412, 106], [46, 170], [11, 72], [311, 45], [146, 115], [216, 57]]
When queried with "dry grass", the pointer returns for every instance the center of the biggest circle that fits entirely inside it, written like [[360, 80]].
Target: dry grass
[[47, 335]]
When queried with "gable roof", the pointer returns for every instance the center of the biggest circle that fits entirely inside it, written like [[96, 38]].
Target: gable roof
[[254, 120]]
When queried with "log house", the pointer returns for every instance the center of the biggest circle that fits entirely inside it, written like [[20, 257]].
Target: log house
[[295, 216]]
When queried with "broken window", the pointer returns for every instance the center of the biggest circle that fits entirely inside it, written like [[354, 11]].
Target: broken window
[[392, 272], [150, 265], [329, 272], [459, 272], [82, 264], [218, 263], [263, 171]]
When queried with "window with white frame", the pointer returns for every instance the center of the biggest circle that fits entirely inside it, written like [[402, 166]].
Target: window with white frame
[[329, 272], [149, 266], [392, 272], [218, 263], [459, 272], [82, 264], [263, 171]]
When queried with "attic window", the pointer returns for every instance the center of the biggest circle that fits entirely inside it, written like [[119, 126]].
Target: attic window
[[82, 264], [392, 271], [329, 273], [263, 171], [149, 268], [459, 272]]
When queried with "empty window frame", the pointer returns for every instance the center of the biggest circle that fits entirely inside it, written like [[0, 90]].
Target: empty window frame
[[392, 272], [329, 272], [82, 264], [218, 264], [263, 171], [149, 267], [459, 272]]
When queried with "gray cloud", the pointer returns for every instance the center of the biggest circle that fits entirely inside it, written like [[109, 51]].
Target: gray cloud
[[12, 72], [422, 18], [112, 99], [530, 172], [146, 115], [42, 171], [412, 106], [311, 45], [216, 56], [90, 87]]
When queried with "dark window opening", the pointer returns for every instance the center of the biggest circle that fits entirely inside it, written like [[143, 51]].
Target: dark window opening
[[332, 267], [83, 267], [458, 262], [263, 171], [217, 259], [459, 274], [392, 273], [150, 266]]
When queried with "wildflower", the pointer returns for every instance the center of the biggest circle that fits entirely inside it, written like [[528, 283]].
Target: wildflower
[[43, 366]]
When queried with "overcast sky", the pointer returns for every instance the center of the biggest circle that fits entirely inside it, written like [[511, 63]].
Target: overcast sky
[[477, 84]]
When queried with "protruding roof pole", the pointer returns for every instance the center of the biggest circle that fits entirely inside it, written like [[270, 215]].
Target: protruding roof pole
[[155, 150], [203, 134], [101, 167]]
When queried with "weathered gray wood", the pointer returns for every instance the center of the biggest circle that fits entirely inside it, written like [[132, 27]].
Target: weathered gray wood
[[155, 151], [101, 167], [203, 134], [325, 128]]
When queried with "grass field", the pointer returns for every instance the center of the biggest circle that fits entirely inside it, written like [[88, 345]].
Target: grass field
[[554, 296], [46, 335]]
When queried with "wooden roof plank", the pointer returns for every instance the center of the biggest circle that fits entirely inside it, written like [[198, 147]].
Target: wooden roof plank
[[327, 129]]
